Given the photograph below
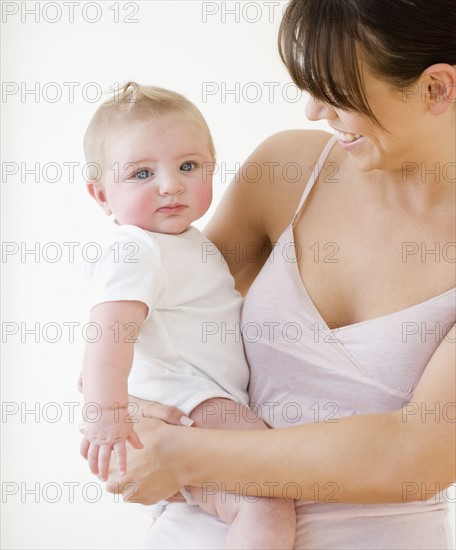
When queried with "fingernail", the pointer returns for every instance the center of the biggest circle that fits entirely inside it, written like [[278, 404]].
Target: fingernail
[[186, 421]]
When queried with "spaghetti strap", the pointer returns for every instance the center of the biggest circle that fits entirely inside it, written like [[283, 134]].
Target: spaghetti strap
[[315, 173]]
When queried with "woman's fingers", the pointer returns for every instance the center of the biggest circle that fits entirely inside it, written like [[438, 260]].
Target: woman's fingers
[[134, 440], [151, 474], [170, 415], [176, 498]]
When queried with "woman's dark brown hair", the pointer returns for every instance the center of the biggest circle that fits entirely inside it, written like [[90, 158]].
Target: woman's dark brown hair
[[320, 42]]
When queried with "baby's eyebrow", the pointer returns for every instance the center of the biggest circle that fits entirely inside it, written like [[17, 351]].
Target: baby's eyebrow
[[146, 161], [191, 155], [130, 163]]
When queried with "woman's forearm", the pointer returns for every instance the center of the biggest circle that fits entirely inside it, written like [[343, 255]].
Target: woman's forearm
[[401, 456], [359, 459]]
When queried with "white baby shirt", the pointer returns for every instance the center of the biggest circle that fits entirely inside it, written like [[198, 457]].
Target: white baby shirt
[[190, 347]]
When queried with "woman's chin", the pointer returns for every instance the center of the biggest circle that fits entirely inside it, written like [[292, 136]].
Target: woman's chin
[[366, 162]]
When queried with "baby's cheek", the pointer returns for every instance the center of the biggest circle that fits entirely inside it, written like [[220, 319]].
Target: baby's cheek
[[205, 197], [138, 211], [142, 203]]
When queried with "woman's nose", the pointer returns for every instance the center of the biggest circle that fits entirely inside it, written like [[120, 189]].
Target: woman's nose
[[318, 110]]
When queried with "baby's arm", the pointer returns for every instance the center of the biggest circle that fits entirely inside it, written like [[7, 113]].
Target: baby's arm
[[107, 364]]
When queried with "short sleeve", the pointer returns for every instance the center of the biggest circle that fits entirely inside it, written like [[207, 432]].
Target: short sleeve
[[129, 268]]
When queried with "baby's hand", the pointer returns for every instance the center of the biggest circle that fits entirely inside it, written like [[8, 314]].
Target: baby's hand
[[107, 433]]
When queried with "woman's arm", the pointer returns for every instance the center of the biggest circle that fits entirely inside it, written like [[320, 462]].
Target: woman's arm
[[403, 456]]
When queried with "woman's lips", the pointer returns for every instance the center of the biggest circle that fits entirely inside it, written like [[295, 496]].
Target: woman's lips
[[171, 208]]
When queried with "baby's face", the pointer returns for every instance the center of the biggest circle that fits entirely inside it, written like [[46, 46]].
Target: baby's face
[[158, 174]]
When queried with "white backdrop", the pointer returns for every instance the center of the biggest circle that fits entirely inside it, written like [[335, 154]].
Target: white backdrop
[[57, 60]]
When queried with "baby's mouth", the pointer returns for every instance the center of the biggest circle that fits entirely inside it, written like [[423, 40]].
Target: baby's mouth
[[171, 208]]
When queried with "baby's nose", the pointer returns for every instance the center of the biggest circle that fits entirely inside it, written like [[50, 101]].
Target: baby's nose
[[170, 186]]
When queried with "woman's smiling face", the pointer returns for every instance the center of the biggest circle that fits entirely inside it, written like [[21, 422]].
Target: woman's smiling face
[[405, 124]]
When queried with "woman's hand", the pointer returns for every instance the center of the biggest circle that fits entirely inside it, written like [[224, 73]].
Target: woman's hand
[[151, 409], [150, 476]]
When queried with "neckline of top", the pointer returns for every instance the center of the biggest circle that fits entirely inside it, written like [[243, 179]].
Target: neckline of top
[[379, 318]]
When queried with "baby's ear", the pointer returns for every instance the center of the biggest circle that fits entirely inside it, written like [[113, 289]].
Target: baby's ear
[[98, 194]]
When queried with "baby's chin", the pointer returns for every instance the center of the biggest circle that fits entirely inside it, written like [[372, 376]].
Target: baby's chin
[[172, 228], [167, 227]]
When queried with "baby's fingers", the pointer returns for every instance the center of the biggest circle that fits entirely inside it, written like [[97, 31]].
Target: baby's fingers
[[84, 447], [92, 457], [104, 456], [120, 452], [79, 383], [134, 440]]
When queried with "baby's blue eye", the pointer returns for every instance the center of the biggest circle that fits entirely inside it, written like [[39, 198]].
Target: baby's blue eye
[[143, 174], [187, 166]]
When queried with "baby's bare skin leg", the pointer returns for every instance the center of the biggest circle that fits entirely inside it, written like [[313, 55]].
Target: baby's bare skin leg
[[261, 523]]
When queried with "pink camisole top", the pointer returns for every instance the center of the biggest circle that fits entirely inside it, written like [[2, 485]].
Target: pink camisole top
[[303, 372]]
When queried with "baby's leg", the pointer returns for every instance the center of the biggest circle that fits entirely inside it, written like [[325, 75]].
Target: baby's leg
[[263, 523]]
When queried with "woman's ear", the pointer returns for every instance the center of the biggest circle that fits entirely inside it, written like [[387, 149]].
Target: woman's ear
[[440, 83], [98, 194]]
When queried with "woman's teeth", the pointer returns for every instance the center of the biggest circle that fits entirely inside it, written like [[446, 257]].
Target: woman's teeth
[[347, 137]]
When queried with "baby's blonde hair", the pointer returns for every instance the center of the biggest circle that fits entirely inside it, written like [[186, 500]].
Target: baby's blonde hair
[[133, 103]]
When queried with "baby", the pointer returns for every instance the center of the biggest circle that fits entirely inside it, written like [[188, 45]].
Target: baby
[[157, 289]]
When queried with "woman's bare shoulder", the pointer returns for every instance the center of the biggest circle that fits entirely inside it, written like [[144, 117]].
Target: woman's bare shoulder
[[302, 146], [278, 168], [290, 156], [262, 198]]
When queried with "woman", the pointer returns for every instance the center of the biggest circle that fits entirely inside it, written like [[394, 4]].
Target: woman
[[349, 310]]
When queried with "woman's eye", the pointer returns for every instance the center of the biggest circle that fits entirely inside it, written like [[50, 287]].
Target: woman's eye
[[187, 166], [143, 174]]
